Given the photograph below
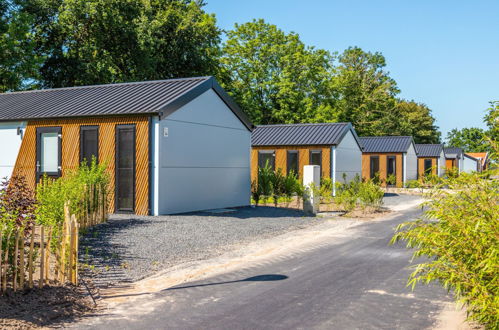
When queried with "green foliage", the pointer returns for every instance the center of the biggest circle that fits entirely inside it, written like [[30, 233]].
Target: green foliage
[[358, 193], [468, 139], [17, 203], [459, 235], [107, 41], [72, 188], [391, 179], [492, 135], [274, 76], [18, 60], [326, 190], [413, 184], [416, 120], [275, 185]]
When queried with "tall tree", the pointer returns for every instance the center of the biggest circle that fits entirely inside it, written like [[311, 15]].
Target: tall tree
[[492, 120], [18, 62], [274, 77], [366, 92], [104, 41], [469, 139], [415, 119]]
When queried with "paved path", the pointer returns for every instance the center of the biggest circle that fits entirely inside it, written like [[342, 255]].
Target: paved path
[[353, 281]]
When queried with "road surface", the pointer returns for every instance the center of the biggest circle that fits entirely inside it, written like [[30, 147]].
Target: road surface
[[354, 281]]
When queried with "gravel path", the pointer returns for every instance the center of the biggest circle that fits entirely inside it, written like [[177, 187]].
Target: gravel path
[[129, 247]]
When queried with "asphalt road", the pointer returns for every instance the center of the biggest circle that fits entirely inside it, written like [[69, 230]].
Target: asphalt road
[[355, 281]]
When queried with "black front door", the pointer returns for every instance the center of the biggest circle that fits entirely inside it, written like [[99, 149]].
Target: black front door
[[125, 168], [48, 152]]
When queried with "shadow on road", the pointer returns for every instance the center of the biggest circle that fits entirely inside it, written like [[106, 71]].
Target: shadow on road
[[258, 278]]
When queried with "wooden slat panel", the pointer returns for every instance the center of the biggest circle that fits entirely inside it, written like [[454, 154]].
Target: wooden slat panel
[[421, 166], [382, 166], [303, 159], [26, 159]]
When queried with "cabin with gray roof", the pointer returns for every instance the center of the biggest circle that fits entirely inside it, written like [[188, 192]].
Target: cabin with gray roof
[[334, 147], [454, 158], [389, 157], [431, 159], [166, 143]]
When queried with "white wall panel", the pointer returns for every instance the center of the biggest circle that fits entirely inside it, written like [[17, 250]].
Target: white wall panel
[[10, 143], [348, 158], [412, 164]]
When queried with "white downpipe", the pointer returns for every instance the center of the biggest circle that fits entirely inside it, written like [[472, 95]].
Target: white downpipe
[[155, 156], [438, 167], [404, 171], [333, 168]]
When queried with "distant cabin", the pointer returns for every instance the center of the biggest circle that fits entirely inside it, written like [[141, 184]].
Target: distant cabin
[[170, 146], [470, 164], [431, 159], [454, 158], [334, 147], [389, 155], [482, 157]]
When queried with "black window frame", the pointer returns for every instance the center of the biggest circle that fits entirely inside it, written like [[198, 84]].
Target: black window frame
[[427, 171], [315, 151], [388, 158], [297, 161], [266, 152], [84, 128], [372, 174], [39, 132], [116, 166]]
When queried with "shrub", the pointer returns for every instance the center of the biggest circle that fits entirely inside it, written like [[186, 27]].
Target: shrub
[[17, 202], [277, 181], [326, 190], [291, 185], [370, 195], [413, 184], [459, 234], [391, 180], [358, 193]]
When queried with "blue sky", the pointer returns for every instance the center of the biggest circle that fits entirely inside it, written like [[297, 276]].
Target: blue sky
[[441, 53]]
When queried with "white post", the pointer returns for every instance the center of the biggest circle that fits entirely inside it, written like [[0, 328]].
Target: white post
[[311, 176], [155, 160], [333, 168], [404, 165]]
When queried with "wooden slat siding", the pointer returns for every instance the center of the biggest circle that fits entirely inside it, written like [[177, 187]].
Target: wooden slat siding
[[382, 166], [303, 159], [26, 159], [450, 163], [421, 166]]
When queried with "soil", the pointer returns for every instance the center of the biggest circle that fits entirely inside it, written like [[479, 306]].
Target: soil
[[51, 306]]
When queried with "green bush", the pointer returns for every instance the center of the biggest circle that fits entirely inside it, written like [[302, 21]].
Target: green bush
[[326, 190], [358, 193], [459, 234], [413, 184], [273, 185]]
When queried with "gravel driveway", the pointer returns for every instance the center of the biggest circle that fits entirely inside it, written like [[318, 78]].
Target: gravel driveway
[[129, 247]]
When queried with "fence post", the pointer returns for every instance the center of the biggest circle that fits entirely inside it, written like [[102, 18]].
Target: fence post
[[21, 261], [42, 257], [16, 252], [30, 256], [5, 260], [47, 256]]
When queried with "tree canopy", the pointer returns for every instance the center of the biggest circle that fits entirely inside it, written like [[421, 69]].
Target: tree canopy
[[104, 41], [469, 139], [273, 75]]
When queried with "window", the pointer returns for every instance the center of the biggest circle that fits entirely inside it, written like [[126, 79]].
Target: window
[[292, 162], [266, 157], [391, 165], [48, 151], [374, 166], [427, 166], [316, 158], [89, 143]]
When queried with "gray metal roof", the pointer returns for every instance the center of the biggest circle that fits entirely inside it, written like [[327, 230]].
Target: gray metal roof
[[161, 97], [453, 152], [386, 143], [300, 134], [429, 150]]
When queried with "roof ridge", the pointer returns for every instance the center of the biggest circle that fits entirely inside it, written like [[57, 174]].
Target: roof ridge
[[204, 78], [303, 124], [385, 136]]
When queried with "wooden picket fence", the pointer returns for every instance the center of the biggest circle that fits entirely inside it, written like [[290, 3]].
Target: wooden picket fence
[[45, 255]]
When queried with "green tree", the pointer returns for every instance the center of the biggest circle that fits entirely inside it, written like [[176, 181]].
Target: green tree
[[18, 62], [469, 139], [274, 77], [105, 41], [366, 92], [416, 120], [492, 120]]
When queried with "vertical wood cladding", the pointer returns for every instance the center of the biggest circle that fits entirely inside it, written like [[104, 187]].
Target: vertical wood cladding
[[383, 166], [303, 159], [26, 159], [450, 164], [421, 166]]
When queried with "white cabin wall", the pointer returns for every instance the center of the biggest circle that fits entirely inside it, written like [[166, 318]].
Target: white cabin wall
[[10, 144], [348, 159], [204, 162], [469, 165], [412, 164]]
